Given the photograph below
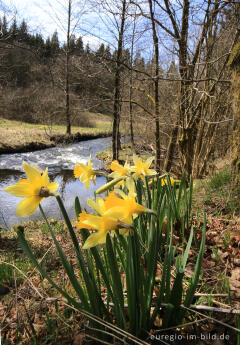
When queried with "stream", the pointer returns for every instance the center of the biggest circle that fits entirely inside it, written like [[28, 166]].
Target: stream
[[60, 162]]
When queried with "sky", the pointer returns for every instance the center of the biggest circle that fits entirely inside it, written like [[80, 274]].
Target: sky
[[47, 16], [94, 25]]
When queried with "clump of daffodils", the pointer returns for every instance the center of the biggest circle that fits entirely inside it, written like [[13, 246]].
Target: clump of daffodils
[[119, 208], [116, 211]]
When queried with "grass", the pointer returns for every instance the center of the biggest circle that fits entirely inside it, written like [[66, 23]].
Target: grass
[[16, 136], [25, 318], [217, 195]]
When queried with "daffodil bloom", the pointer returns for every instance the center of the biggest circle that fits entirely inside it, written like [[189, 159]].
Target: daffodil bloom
[[164, 181], [109, 218], [81, 218], [103, 224], [85, 173], [142, 168], [120, 170], [127, 206], [98, 205], [34, 189]]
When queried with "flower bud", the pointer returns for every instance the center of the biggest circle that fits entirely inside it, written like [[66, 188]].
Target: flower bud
[[110, 184]]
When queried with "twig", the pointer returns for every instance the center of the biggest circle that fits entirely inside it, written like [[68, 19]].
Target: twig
[[211, 318], [7, 263], [192, 306], [100, 321], [211, 295], [220, 304], [218, 310], [105, 332]]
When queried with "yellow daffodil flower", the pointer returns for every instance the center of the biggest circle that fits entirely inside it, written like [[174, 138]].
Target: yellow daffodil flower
[[34, 189], [127, 206], [81, 218], [164, 181], [142, 168], [114, 205], [120, 171], [85, 173], [98, 205], [110, 218], [103, 224]]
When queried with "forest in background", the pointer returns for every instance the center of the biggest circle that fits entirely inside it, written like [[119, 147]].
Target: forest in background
[[164, 77]]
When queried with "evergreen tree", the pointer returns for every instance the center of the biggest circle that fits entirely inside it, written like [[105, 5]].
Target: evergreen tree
[[13, 30], [55, 46], [72, 44], [79, 49], [87, 49], [48, 48], [3, 27], [40, 45], [23, 32]]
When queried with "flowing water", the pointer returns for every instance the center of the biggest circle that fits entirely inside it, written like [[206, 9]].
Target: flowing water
[[60, 162]]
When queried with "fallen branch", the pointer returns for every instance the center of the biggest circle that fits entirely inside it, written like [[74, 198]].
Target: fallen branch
[[192, 306]]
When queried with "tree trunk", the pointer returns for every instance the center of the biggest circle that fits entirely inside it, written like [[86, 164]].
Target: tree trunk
[[236, 129], [156, 90], [234, 63], [68, 118], [171, 149], [116, 105], [131, 87]]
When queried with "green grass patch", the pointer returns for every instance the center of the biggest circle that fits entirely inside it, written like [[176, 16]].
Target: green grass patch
[[220, 180], [217, 194]]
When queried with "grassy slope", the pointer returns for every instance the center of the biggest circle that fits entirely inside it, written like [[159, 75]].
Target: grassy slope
[[18, 136]]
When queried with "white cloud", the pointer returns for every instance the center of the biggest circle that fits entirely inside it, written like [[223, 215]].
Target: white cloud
[[92, 41]]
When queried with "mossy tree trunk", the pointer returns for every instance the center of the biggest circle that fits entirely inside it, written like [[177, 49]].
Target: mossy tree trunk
[[234, 63], [236, 127]]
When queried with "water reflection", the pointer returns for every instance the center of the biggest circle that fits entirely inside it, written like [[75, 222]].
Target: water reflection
[[69, 188]]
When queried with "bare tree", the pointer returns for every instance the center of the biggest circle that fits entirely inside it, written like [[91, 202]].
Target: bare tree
[[68, 119], [67, 15], [156, 87], [116, 104], [196, 30]]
